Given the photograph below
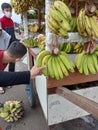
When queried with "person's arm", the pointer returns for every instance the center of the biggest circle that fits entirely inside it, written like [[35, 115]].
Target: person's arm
[[14, 78]]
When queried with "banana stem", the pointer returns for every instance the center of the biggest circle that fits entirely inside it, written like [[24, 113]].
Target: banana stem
[[77, 6], [51, 45], [57, 44], [94, 46], [87, 47]]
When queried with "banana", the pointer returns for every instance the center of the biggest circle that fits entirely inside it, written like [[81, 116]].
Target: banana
[[93, 24], [67, 48], [52, 21], [51, 27], [61, 46], [96, 52], [63, 33], [63, 68], [78, 58], [50, 67], [55, 71], [7, 118], [55, 14], [40, 56], [4, 114], [65, 25], [81, 67], [90, 65], [73, 24], [68, 58], [63, 9], [85, 66], [45, 62], [95, 61], [95, 18], [15, 118], [66, 63], [58, 68], [81, 21], [88, 26]]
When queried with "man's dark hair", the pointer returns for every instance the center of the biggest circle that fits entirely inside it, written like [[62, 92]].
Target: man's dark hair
[[16, 49], [6, 5]]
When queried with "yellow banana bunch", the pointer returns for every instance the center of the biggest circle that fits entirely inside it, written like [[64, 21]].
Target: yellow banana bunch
[[20, 7], [63, 9], [58, 19], [77, 47], [87, 25], [57, 65], [87, 63], [12, 111]]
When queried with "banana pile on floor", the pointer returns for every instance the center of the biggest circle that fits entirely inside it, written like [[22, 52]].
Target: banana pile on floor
[[87, 63], [58, 19], [58, 64], [87, 25], [12, 111]]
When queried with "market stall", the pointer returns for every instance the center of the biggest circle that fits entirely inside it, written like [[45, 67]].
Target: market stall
[[58, 103]]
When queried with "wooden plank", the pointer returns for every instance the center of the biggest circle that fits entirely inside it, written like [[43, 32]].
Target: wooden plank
[[83, 102], [73, 78]]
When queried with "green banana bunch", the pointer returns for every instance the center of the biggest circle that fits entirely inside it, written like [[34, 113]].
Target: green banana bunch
[[57, 65], [30, 42], [12, 111], [87, 25], [58, 19], [73, 24], [71, 47], [87, 63], [66, 47]]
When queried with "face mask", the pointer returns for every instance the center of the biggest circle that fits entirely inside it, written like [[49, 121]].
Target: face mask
[[8, 14]]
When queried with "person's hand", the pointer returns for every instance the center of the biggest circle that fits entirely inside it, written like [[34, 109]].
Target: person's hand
[[36, 71]]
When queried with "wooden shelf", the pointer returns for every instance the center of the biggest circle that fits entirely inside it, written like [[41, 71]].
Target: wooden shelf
[[73, 78]]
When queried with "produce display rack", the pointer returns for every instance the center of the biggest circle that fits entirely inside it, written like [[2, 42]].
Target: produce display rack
[[56, 108]]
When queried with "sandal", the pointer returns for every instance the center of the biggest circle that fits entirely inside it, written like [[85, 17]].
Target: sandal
[[2, 91]]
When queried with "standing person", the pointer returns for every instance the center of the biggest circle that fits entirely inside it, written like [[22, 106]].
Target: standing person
[[14, 53], [8, 25], [4, 39], [4, 43]]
